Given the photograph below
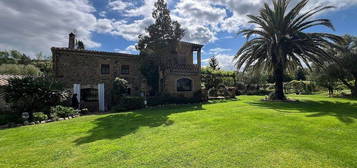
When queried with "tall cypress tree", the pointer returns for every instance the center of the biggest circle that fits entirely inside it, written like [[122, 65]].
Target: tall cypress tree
[[158, 45], [213, 63]]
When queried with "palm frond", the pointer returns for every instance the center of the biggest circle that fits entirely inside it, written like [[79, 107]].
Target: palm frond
[[280, 38]]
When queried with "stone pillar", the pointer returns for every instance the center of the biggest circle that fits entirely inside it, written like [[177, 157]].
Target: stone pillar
[[71, 42], [199, 58]]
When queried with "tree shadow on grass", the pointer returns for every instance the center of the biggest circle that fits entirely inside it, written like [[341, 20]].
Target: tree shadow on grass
[[121, 124], [221, 101], [345, 112]]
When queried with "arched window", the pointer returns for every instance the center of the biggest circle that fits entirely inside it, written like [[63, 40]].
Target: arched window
[[184, 84]]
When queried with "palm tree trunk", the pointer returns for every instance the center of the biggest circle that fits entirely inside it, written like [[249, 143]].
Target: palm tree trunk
[[278, 75], [279, 83]]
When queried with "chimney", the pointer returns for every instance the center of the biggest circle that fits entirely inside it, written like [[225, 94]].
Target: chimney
[[72, 39]]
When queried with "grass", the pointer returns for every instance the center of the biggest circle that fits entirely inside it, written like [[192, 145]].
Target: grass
[[315, 132]]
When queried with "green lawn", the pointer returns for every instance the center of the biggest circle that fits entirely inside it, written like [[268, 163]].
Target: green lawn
[[315, 132]]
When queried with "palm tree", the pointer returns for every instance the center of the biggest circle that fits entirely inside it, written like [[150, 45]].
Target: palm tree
[[280, 43]]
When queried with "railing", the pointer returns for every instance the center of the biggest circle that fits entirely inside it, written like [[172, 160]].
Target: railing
[[184, 68]]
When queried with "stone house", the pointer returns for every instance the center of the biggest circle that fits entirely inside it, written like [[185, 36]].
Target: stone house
[[90, 74]]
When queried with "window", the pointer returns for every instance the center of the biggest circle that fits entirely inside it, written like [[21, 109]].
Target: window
[[125, 69], [105, 69], [194, 56], [89, 95], [184, 84]]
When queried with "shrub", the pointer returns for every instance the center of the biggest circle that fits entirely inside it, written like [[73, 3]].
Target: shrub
[[53, 116], [118, 108], [297, 86], [33, 94], [120, 89], [7, 118], [39, 116], [238, 93], [157, 100], [129, 103], [300, 87], [16, 69], [198, 96], [45, 66], [62, 111], [240, 86], [213, 92]]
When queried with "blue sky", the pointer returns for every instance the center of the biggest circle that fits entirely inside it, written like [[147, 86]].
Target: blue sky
[[113, 25]]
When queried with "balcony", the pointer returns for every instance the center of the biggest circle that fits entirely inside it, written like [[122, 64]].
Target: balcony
[[184, 68]]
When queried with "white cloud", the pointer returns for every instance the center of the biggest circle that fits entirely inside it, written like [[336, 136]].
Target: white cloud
[[201, 19], [119, 5], [129, 50], [216, 51], [225, 62], [131, 31], [102, 13], [196, 12], [37, 25], [198, 30], [104, 26], [144, 10], [199, 34]]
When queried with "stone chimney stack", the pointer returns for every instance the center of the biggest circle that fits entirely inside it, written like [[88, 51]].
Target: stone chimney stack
[[72, 39]]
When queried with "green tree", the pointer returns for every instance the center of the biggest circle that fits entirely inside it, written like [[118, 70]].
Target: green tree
[[213, 63], [16, 54], [252, 80], [211, 78], [40, 56], [14, 57], [44, 63], [5, 58], [80, 45], [25, 60], [326, 77], [346, 63], [158, 45], [288, 77], [280, 43], [300, 74]]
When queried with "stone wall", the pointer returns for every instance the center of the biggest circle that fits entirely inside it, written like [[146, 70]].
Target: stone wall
[[73, 66], [84, 67], [171, 83], [184, 51]]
